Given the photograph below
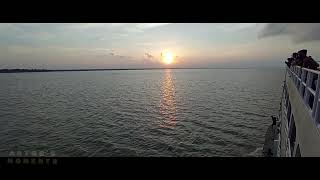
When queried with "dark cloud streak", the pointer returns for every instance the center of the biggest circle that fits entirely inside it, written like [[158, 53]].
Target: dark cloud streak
[[149, 56], [298, 32], [116, 55]]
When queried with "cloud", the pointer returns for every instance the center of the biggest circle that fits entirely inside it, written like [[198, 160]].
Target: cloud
[[230, 27], [65, 51], [72, 34], [151, 25], [149, 60], [117, 55], [134, 27], [144, 44], [123, 35], [148, 56], [298, 32]]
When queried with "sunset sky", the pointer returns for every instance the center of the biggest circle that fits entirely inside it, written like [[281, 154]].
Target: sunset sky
[[139, 45]]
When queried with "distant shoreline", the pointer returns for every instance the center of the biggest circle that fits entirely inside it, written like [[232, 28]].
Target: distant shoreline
[[122, 69]]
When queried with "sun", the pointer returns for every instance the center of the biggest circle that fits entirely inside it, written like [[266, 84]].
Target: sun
[[167, 57]]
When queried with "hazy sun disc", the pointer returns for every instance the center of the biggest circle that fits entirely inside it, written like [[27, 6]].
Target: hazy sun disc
[[168, 57]]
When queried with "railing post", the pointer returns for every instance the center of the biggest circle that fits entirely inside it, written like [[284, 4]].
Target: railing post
[[317, 113], [309, 80], [307, 92], [301, 85], [316, 97], [299, 80], [303, 76], [300, 72], [306, 75], [288, 148]]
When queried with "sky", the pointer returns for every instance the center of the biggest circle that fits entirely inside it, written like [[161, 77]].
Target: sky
[[139, 45]]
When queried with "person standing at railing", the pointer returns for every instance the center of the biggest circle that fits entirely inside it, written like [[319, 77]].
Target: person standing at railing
[[301, 55], [297, 61], [310, 63], [292, 61], [289, 62]]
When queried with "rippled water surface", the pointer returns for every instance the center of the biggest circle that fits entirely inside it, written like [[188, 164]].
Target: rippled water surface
[[191, 112]]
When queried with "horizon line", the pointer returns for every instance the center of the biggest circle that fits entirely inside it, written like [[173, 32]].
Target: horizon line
[[17, 70]]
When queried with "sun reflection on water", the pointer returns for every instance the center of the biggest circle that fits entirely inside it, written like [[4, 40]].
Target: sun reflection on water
[[167, 101]]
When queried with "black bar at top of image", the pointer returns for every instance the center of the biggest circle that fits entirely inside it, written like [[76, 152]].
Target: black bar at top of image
[[164, 11]]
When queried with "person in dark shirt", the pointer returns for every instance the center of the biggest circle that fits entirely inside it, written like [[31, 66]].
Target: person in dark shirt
[[289, 62], [310, 63], [295, 57], [274, 120], [302, 54]]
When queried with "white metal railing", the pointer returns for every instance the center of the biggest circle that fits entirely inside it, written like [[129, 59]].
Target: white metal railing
[[288, 148], [276, 141], [307, 82]]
